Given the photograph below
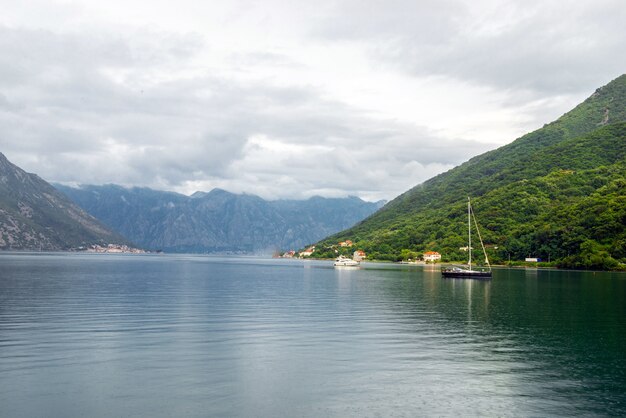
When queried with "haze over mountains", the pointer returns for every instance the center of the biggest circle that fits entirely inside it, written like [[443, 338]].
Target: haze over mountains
[[217, 221], [558, 193], [35, 216]]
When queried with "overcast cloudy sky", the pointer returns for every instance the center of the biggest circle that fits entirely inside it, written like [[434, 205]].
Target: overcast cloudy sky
[[289, 98]]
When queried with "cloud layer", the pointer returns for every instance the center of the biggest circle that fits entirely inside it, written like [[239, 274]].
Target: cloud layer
[[344, 98]]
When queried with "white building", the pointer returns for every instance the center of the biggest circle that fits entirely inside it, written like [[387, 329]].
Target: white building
[[432, 256]]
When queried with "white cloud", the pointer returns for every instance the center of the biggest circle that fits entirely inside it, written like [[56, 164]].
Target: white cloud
[[289, 99]]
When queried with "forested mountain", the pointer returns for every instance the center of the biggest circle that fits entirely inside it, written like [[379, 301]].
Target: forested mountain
[[217, 221], [557, 193], [35, 216]]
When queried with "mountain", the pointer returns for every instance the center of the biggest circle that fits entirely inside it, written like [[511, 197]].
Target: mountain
[[558, 193], [35, 216], [217, 221]]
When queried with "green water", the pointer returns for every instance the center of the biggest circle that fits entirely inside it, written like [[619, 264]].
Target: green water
[[97, 335]]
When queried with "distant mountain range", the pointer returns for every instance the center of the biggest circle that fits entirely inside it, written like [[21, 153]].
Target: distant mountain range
[[217, 221], [558, 193], [36, 216]]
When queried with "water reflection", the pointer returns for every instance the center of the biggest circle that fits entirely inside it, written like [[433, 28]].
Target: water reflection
[[197, 336], [561, 335]]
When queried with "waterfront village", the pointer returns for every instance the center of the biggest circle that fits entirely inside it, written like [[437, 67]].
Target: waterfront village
[[112, 249], [358, 255]]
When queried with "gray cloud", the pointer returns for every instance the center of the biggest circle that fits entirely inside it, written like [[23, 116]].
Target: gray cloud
[[546, 47], [66, 119], [425, 22], [148, 108]]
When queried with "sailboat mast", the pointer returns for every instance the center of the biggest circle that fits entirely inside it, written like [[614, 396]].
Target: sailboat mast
[[469, 232]]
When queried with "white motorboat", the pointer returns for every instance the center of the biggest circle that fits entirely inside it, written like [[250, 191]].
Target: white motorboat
[[342, 261]]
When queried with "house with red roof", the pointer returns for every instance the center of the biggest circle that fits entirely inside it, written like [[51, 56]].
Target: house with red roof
[[432, 256], [359, 255]]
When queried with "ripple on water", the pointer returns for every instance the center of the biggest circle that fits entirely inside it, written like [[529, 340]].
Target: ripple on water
[[196, 336]]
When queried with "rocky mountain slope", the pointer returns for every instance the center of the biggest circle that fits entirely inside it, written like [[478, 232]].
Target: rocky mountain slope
[[217, 221], [36, 216]]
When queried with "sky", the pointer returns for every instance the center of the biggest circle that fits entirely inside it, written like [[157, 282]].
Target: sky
[[289, 99]]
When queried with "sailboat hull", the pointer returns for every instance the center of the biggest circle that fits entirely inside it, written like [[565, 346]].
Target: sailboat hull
[[465, 274]]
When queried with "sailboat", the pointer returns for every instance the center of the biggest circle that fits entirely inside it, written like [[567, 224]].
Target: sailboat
[[467, 272]]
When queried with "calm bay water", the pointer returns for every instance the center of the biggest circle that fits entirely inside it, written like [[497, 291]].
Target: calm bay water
[[98, 335]]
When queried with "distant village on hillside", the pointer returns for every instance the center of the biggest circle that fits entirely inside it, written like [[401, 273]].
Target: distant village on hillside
[[112, 249], [358, 255]]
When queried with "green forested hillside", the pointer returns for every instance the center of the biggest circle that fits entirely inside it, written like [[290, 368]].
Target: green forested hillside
[[558, 193]]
